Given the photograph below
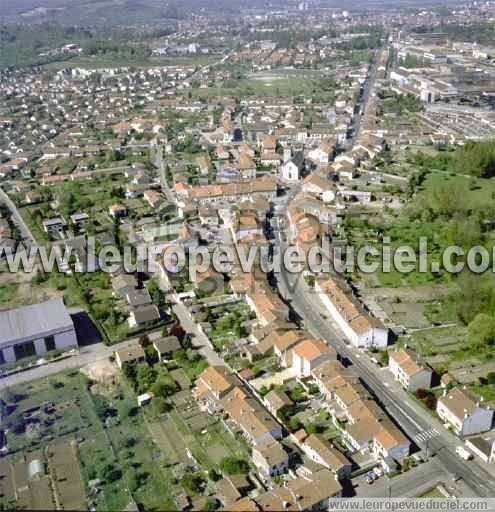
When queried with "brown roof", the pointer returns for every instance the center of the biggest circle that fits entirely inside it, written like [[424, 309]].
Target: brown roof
[[407, 361], [248, 413], [363, 431], [330, 455], [218, 379], [364, 408], [273, 452], [389, 435], [359, 321], [349, 392], [459, 403], [278, 399], [301, 493], [312, 348], [167, 344], [243, 505]]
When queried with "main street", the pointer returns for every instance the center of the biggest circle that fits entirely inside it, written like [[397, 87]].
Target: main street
[[409, 415]]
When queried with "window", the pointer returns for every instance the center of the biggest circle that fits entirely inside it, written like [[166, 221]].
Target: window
[[24, 350], [50, 343], [2, 358]]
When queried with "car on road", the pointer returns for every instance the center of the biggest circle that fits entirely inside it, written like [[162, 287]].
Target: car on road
[[368, 479], [372, 475]]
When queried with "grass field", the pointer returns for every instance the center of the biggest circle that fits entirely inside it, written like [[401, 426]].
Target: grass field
[[102, 61], [281, 85], [7, 293]]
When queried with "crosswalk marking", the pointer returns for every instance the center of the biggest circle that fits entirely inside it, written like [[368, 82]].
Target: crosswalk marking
[[427, 434]]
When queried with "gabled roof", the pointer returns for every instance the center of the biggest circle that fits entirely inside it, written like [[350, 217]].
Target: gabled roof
[[329, 454]]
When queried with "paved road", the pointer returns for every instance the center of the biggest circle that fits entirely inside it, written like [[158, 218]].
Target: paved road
[[415, 421], [410, 484], [16, 216], [83, 356], [199, 340], [368, 89]]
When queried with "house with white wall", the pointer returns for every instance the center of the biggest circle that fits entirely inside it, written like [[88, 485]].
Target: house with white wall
[[463, 414], [408, 371]]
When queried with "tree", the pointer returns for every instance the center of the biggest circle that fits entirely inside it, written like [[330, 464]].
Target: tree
[[481, 330], [192, 482], [109, 473], [102, 407], [164, 387], [295, 423], [421, 393], [431, 402], [145, 378], [160, 405], [490, 377], [313, 428], [213, 475], [234, 466], [210, 505]]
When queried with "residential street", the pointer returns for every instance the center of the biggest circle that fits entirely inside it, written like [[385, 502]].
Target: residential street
[[199, 340], [19, 221], [414, 420], [412, 417]]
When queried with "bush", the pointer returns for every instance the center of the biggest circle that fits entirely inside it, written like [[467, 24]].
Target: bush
[[160, 405], [313, 428], [421, 394], [490, 377], [295, 424], [213, 475], [211, 504], [234, 466], [431, 402], [192, 482]]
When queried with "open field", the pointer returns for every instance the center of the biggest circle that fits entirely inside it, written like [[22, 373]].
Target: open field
[[49, 408], [278, 85], [102, 61]]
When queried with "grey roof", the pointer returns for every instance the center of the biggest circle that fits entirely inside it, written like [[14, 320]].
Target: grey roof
[[167, 344], [36, 321], [147, 313], [298, 160]]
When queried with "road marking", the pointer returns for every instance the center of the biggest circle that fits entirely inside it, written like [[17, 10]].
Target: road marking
[[426, 434]]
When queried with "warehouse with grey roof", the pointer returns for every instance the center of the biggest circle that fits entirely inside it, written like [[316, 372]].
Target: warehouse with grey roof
[[35, 330]]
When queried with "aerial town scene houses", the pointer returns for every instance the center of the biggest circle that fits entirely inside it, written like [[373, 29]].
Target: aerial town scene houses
[[251, 127]]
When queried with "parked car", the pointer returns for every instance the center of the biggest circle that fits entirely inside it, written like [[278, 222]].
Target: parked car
[[371, 474], [378, 471]]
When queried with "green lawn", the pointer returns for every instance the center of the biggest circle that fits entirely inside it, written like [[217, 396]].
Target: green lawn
[[281, 85], [7, 293]]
